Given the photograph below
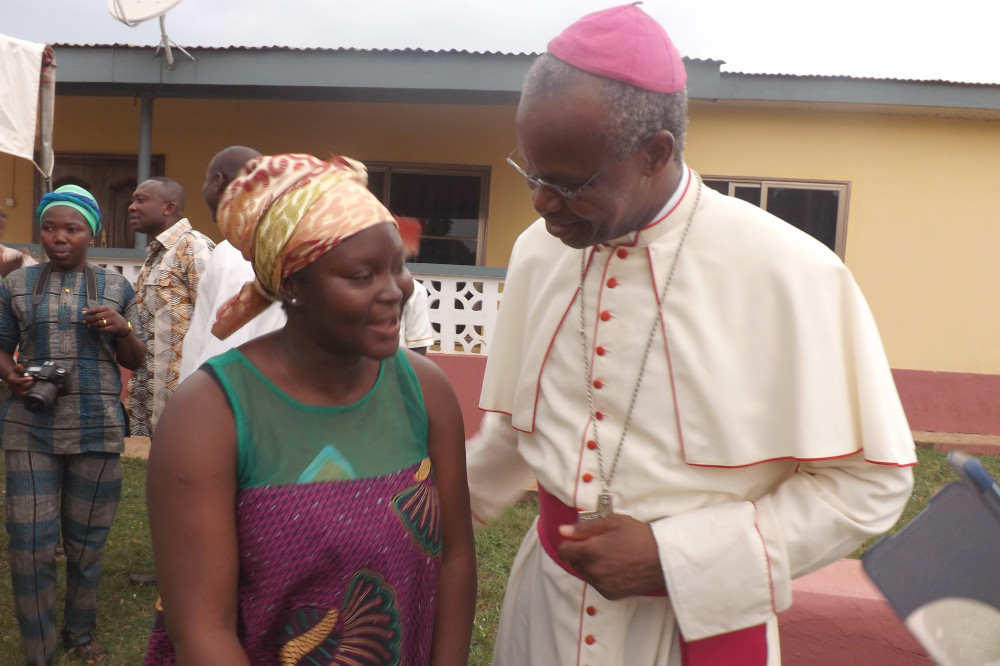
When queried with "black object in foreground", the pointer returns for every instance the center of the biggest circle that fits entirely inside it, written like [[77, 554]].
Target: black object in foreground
[[941, 573]]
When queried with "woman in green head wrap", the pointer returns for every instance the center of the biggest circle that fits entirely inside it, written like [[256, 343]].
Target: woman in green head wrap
[[62, 428]]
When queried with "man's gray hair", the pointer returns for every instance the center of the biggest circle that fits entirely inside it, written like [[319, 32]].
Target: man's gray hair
[[632, 114]]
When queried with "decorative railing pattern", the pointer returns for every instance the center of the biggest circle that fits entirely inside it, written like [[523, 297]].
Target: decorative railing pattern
[[463, 311], [463, 308], [127, 267]]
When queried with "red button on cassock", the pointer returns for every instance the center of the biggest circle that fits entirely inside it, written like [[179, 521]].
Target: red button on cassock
[[612, 283], [598, 383], [605, 315], [622, 253], [591, 610], [601, 351], [587, 478], [591, 444], [590, 640], [599, 416]]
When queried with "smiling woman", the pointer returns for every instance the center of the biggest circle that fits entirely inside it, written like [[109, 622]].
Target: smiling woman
[[307, 490]]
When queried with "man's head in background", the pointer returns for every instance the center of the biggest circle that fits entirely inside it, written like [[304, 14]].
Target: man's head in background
[[222, 170]]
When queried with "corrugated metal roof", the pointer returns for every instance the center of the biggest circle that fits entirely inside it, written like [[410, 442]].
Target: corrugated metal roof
[[275, 47], [463, 52], [328, 50], [786, 75], [450, 76]]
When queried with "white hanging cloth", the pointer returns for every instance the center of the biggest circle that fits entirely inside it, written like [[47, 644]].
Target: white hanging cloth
[[20, 76]]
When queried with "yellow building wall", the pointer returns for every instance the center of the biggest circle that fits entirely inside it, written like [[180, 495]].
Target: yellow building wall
[[419, 133], [922, 236], [16, 196], [81, 124], [189, 132]]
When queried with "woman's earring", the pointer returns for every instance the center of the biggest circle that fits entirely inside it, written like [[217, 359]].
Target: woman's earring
[[293, 301]]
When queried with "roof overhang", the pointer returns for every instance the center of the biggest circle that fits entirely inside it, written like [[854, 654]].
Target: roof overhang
[[338, 75], [846, 90], [444, 77]]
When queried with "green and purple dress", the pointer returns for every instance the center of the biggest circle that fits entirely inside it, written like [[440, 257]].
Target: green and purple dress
[[338, 522]]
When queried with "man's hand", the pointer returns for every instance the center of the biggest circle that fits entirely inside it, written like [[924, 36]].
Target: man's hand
[[616, 555], [106, 320], [19, 384], [10, 260]]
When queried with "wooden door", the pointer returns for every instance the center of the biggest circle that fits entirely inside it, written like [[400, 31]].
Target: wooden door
[[111, 179]]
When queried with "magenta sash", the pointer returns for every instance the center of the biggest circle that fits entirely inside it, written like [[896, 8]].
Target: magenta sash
[[747, 647]]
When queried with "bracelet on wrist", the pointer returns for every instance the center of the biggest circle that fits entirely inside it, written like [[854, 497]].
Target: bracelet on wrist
[[128, 333]]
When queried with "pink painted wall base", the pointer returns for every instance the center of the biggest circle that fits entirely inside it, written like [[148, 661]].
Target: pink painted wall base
[[954, 402], [945, 402], [466, 376], [839, 618]]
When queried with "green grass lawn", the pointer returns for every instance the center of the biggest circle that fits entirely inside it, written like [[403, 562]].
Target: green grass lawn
[[932, 473], [125, 611]]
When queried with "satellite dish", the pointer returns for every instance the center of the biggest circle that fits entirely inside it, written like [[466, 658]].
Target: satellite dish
[[134, 12]]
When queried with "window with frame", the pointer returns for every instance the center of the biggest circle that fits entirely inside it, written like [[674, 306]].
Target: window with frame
[[450, 202], [817, 208]]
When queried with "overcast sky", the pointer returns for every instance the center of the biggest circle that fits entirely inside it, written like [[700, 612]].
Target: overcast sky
[[918, 39]]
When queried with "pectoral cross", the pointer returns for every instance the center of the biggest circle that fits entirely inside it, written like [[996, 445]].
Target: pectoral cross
[[605, 507]]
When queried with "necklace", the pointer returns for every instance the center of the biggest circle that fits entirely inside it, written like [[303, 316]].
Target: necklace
[[605, 503]]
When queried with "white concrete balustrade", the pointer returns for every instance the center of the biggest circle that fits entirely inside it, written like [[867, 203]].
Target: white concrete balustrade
[[463, 308], [463, 311]]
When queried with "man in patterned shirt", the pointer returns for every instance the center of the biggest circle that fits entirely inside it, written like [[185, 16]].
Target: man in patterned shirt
[[167, 288]]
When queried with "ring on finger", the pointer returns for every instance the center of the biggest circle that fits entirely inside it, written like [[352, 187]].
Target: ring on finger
[[105, 321]]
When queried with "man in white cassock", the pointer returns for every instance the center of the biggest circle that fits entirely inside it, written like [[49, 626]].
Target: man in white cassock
[[698, 387]]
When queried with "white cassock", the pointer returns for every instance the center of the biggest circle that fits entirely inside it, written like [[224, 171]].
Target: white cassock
[[767, 438]]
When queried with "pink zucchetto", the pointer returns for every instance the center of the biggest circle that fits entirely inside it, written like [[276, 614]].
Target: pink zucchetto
[[623, 43]]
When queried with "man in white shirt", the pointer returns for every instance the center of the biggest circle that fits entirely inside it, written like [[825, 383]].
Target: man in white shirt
[[415, 330], [226, 272]]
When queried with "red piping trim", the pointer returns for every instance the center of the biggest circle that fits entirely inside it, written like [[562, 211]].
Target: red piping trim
[[495, 411], [548, 350], [796, 458], [500, 411], [589, 425], [579, 629], [579, 462], [890, 464], [670, 362], [680, 200]]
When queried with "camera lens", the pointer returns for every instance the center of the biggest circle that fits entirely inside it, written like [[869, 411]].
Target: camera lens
[[42, 396]]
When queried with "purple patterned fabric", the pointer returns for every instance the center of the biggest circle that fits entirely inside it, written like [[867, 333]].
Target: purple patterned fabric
[[336, 572]]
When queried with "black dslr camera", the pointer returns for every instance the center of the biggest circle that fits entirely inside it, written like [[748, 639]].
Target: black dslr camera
[[50, 382]]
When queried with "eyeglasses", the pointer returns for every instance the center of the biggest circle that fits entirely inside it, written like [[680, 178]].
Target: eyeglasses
[[569, 194]]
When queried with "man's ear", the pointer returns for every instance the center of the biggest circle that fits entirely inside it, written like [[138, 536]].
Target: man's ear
[[659, 152], [169, 208], [219, 183]]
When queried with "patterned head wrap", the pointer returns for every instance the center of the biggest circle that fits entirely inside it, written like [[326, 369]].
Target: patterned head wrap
[[76, 198], [284, 212]]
